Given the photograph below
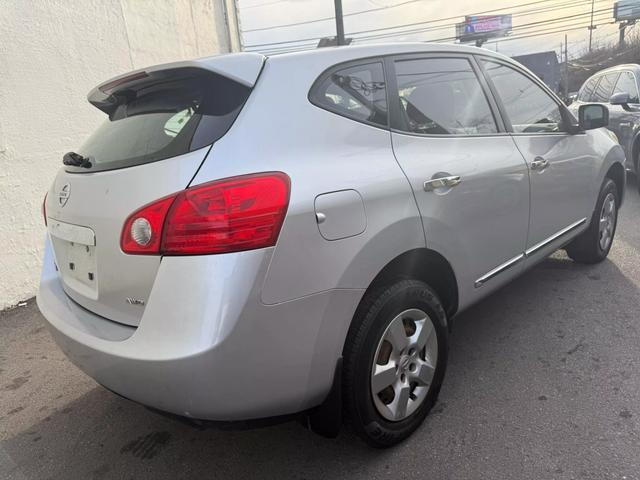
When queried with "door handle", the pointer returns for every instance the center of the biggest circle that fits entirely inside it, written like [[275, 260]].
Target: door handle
[[442, 182], [539, 164]]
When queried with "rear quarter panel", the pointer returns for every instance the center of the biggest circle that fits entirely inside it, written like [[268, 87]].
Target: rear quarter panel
[[279, 129]]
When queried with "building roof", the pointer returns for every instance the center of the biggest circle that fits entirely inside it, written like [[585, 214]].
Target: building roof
[[549, 56]]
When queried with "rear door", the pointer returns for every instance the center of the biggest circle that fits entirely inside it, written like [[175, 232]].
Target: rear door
[[585, 95], [470, 182], [586, 92], [160, 128], [563, 168]]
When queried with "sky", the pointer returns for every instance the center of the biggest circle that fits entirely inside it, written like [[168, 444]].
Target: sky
[[527, 15]]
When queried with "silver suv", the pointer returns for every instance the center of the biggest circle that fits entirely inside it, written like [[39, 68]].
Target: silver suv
[[617, 89], [248, 237]]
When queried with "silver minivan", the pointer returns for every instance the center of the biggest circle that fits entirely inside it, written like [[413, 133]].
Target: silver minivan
[[248, 237]]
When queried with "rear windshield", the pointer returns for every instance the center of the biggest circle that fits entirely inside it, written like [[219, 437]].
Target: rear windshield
[[164, 119]]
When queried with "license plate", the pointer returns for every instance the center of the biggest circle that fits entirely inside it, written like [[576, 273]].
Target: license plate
[[74, 248]]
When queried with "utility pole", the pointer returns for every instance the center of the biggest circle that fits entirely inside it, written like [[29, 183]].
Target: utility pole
[[623, 26], [561, 52], [591, 27], [339, 23]]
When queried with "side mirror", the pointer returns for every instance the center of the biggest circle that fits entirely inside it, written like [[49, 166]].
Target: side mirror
[[620, 98], [592, 116]]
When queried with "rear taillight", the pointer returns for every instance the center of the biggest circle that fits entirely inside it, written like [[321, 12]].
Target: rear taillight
[[230, 215], [152, 214]]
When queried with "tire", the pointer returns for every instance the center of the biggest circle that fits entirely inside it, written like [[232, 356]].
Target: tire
[[588, 247], [638, 173], [377, 320]]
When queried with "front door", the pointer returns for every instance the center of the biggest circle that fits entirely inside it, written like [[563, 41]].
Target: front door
[[562, 167], [470, 182]]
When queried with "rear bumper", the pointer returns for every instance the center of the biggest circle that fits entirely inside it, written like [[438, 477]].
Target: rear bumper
[[206, 347]]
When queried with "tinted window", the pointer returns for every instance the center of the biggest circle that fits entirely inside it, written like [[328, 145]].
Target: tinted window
[[442, 96], [529, 108], [587, 90], [164, 119], [604, 89], [627, 84], [355, 92]]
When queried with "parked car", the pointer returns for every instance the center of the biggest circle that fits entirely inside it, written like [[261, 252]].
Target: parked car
[[617, 88], [248, 237]]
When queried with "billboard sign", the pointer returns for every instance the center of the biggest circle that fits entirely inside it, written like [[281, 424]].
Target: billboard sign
[[477, 27], [626, 10]]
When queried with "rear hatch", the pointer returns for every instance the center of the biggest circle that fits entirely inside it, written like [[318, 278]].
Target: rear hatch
[[160, 127]]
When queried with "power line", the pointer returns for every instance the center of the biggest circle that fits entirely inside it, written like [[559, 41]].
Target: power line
[[457, 17], [533, 33], [542, 9], [429, 21], [561, 30], [519, 29], [412, 32], [324, 19], [505, 39], [394, 34], [541, 32]]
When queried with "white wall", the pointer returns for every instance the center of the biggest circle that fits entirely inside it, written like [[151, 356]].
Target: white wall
[[52, 52]]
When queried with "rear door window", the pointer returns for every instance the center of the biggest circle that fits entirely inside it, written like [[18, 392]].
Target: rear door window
[[627, 84], [356, 92], [604, 90], [587, 90], [162, 119], [442, 96]]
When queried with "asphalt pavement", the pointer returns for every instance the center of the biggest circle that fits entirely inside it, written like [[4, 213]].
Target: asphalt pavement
[[543, 383]]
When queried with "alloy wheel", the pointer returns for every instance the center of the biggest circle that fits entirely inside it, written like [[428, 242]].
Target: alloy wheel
[[404, 365], [607, 222]]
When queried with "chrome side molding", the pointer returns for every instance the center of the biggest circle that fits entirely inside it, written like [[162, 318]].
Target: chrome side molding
[[499, 269], [527, 253], [554, 237]]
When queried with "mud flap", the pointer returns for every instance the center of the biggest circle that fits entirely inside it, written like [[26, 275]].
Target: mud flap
[[326, 419]]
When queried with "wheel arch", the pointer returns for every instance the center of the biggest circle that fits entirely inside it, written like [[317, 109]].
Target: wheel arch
[[425, 265], [611, 167], [617, 174]]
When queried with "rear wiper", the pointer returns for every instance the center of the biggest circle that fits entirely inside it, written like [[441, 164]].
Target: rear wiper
[[74, 159]]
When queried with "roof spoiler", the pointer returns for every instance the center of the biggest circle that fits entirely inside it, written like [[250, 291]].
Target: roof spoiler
[[243, 68]]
